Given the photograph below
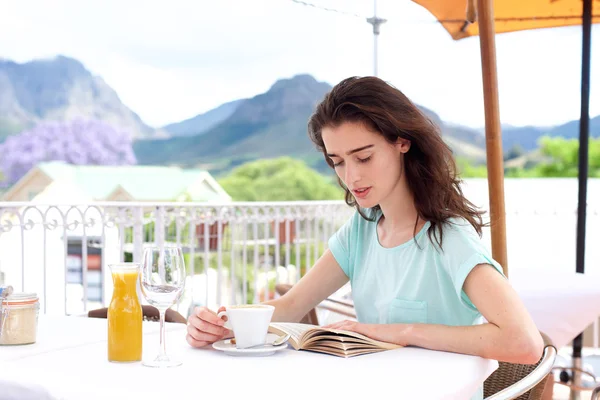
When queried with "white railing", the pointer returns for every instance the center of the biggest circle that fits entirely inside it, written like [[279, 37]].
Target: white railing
[[237, 252], [234, 252]]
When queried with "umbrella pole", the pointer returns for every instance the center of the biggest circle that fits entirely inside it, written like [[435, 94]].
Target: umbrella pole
[[584, 123], [493, 134]]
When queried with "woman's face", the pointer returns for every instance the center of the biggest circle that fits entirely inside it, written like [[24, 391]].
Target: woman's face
[[368, 165]]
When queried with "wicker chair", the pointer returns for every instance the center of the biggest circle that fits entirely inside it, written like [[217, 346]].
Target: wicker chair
[[150, 313], [519, 381]]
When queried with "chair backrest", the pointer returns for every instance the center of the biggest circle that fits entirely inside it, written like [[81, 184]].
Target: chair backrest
[[339, 309], [150, 313], [508, 374]]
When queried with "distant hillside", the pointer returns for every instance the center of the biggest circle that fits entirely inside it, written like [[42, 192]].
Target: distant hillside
[[272, 124], [464, 141], [527, 137], [60, 89], [203, 122], [267, 125]]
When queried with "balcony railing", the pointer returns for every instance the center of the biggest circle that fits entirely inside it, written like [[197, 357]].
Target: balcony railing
[[234, 253]]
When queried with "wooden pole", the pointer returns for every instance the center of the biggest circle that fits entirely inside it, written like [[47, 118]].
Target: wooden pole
[[493, 134]]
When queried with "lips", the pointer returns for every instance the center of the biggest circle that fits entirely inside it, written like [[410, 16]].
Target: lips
[[361, 193]]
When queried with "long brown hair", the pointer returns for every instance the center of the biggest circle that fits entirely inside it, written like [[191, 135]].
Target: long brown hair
[[429, 165]]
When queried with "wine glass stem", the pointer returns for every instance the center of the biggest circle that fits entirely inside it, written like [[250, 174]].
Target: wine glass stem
[[163, 350]]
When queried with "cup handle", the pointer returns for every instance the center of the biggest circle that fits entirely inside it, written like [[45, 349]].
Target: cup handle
[[227, 323]]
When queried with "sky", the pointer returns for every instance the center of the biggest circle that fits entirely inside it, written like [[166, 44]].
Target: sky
[[169, 61]]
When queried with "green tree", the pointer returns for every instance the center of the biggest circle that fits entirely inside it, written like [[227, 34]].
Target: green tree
[[515, 151], [279, 179], [520, 172], [468, 170], [563, 157]]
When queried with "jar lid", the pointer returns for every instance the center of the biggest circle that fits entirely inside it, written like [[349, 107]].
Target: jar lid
[[17, 299]]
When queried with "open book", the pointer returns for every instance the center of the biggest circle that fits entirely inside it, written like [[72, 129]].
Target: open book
[[331, 341]]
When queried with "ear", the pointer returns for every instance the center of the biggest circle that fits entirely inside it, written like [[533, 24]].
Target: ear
[[403, 145]]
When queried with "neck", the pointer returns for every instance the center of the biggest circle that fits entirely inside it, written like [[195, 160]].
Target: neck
[[399, 209]]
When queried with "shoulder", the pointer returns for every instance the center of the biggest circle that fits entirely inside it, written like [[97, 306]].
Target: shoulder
[[462, 250], [358, 224], [458, 233], [462, 247]]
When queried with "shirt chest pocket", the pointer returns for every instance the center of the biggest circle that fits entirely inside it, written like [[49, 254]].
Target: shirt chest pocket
[[407, 312]]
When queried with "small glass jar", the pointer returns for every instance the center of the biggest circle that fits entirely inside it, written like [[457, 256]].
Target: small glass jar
[[19, 319]]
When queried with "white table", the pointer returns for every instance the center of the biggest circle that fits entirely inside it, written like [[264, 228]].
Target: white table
[[70, 362], [562, 304]]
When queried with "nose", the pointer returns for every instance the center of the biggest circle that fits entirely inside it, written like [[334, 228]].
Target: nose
[[351, 174]]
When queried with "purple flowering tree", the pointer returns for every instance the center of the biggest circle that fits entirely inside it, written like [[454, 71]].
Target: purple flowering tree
[[80, 142]]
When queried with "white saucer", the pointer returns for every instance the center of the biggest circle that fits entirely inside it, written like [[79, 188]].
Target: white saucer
[[230, 349]]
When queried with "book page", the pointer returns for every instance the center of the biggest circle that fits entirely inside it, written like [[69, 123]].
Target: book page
[[344, 353], [295, 330], [337, 339], [345, 346], [344, 335], [330, 341]]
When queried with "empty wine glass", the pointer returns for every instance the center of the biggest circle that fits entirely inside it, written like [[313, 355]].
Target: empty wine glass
[[162, 281]]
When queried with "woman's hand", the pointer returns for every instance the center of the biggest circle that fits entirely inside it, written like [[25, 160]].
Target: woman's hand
[[204, 327], [346, 325], [390, 333]]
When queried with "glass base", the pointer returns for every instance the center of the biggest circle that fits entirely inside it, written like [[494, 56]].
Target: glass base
[[162, 362]]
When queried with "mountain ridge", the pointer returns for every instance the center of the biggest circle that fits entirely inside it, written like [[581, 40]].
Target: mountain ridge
[[60, 88]]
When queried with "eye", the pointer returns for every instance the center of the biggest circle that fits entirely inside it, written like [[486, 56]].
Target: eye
[[364, 160], [337, 164]]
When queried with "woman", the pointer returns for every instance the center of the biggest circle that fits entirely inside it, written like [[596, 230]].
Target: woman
[[419, 273]]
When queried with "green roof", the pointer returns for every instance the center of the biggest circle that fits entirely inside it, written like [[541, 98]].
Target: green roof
[[143, 183]]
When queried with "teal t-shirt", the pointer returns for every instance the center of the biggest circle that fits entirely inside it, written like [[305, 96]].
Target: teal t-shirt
[[415, 282]]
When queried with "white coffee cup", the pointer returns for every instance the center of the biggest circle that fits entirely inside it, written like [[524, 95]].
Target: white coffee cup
[[249, 322]]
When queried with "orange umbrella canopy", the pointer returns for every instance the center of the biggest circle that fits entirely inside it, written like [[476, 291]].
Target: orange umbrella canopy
[[458, 16]]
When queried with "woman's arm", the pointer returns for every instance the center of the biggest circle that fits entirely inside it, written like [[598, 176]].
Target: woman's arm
[[510, 335], [323, 279]]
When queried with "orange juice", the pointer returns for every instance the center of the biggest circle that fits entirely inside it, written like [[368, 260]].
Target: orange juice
[[125, 315]]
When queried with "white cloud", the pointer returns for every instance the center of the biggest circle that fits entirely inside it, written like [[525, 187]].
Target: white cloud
[[170, 61]]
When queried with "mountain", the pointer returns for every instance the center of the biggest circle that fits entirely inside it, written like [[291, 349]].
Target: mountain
[[570, 130], [464, 141], [527, 137], [203, 122], [60, 89], [271, 124], [267, 125]]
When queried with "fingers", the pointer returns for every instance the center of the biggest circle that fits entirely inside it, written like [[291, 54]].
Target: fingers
[[204, 327], [195, 343], [209, 316], [202, 335], [339, 325], [207, 327], [224, 317]]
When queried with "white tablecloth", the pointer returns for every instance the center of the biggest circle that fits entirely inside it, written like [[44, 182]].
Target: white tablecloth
[[69, 360], [562, 304]]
